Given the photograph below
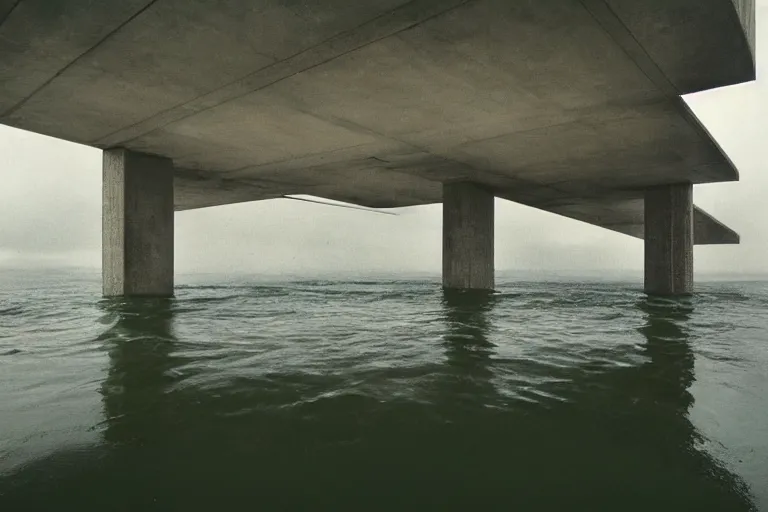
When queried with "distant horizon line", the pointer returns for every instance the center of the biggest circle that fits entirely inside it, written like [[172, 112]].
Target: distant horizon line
[[371, 273]]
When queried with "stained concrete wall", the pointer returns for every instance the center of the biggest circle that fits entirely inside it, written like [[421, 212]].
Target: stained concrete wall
[[468, 256], [137, 224], [669, 240]]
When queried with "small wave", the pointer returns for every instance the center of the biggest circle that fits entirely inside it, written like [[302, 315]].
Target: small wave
[[11, 311]]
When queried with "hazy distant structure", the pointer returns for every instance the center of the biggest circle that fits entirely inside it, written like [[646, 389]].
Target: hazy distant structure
[[570, 106]]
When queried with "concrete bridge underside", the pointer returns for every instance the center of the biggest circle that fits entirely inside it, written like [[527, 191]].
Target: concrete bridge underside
[[570, 106]]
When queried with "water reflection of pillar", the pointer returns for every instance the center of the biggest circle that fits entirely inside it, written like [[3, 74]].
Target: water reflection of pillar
[[467, 348], [703, 482], [670, 372], [134, 392]]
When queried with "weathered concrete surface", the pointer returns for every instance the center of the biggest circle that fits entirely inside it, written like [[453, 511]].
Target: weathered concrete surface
[[468, 213], [557, 104], [669, 240], [747, 17], [137, 231], [625, 213]]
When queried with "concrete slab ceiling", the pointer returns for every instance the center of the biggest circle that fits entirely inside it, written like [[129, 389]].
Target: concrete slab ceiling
[[571, 106]]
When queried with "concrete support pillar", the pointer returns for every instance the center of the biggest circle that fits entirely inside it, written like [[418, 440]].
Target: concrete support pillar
[[669, 240], [137, 224], [467, 236]]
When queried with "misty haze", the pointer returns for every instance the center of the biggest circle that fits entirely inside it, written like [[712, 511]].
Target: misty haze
[[524, 289]]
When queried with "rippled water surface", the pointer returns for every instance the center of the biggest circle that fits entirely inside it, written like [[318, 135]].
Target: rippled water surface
[[381, 395]]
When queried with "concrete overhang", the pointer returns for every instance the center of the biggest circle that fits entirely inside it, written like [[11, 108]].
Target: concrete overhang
[[565, 105]]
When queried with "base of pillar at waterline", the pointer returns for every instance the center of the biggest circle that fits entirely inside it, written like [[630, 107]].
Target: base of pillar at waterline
[[669, 240], [468, 214], [137, 225]]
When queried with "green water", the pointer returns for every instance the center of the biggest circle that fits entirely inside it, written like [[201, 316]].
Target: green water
[[381, 395]]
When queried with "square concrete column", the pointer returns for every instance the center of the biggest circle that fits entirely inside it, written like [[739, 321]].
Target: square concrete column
[[467, 237], [669, 240], [137, 224]]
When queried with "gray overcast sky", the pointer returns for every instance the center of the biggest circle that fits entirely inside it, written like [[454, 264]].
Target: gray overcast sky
[[50, 213]]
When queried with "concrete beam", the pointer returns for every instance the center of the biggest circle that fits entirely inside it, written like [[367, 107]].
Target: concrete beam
[[137, 224], [707, 230], [669, 240], [320, 101], [468, 212]]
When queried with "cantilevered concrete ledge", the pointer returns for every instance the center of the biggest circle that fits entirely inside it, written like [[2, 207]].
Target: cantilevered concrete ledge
[[570, 106], [378, 102], [624, 213]]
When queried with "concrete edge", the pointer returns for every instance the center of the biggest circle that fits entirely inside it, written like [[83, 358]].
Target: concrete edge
[[704, 133], [746, 11], [707, 230], [6, 8]]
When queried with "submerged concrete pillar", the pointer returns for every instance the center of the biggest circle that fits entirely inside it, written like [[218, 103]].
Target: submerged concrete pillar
[[669, 240], [467, 237], [137, 224]]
